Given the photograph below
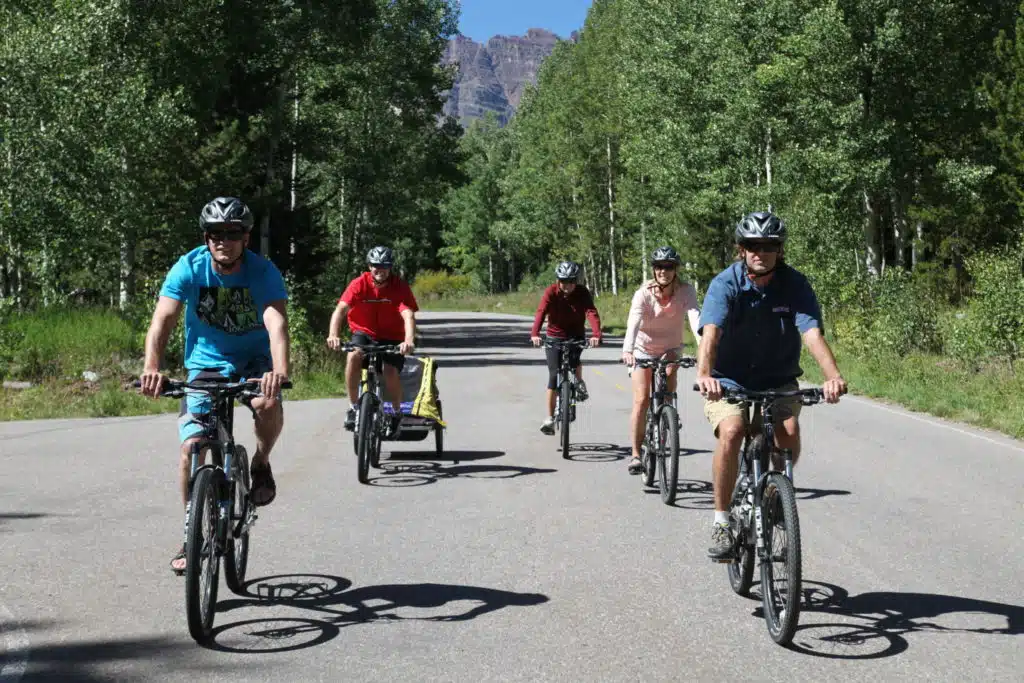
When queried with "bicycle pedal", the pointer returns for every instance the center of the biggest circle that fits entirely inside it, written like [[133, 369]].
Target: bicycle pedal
[[723, 560]]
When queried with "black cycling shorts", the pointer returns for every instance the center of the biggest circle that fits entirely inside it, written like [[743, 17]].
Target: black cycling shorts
[[395, 360]]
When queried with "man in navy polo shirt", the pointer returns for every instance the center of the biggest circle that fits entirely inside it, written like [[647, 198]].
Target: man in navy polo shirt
[[754, 315]]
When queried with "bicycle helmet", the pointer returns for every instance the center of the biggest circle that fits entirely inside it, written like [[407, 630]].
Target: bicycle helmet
[[226, 211], [761, 225], [665, 255], [382, 257], [567, 270]]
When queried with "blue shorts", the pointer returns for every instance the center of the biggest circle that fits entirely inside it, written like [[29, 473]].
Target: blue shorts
[[195, 406]]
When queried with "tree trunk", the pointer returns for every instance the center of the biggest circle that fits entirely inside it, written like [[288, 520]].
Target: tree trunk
[[611, 218], [594, 275], [872, 236], [490, 273], [295, 171], [901, 226], [915, 248], [643, 250], [127, 272]]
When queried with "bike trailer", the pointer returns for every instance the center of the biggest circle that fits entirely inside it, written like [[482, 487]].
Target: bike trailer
[[421, 404]]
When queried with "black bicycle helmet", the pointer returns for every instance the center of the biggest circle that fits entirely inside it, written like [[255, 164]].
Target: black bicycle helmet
[[665, 255], [567, 270], [382, 257], [226, 211], [761, 225]]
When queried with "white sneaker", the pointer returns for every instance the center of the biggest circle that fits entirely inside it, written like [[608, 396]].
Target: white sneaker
[[548, 426]]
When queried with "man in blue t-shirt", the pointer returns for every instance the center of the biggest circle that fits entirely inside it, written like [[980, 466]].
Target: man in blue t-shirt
[[236, 326], [754, 315]]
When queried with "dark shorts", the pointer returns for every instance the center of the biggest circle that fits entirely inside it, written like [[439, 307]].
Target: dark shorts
[[194, 411], [395, 360], [554, 357]]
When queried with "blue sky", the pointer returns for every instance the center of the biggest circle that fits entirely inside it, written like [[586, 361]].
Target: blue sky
[[482, 19]]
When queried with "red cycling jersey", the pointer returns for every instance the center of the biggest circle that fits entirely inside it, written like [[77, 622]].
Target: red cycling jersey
[[566, 314], [377, 311]]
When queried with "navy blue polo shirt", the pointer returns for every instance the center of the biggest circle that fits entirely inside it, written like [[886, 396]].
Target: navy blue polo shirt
[[761, 327]]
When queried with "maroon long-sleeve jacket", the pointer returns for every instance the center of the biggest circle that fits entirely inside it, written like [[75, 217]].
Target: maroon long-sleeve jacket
[[566, 314]]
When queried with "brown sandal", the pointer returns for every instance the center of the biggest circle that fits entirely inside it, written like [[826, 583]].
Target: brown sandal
[[264, 490]]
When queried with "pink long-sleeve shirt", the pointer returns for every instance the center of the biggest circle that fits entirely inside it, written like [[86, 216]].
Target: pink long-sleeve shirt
[[656, 325]]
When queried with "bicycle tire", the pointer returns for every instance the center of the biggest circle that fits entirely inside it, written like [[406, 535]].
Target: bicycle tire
[[564, 417], [439, 432], [236, 559], [741, 572], [668, 454], [367, 426], [781, 604], [200, 594]]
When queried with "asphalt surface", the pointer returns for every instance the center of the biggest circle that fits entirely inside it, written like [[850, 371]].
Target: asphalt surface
[[514, 565]]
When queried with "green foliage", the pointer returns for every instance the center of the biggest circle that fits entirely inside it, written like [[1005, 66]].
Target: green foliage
[[431, 285], [997, 307]]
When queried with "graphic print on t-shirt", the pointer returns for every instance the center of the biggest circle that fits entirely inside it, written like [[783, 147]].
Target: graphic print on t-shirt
[[230, 309]]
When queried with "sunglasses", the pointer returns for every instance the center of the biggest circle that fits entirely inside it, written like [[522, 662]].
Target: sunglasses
[[566, 282], [226, 236], [761, 247], [664, 266]]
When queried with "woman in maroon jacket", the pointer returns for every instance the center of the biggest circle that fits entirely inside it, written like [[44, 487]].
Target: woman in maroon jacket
[[566, 305]]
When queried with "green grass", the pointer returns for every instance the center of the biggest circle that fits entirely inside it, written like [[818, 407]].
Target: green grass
[[993, 398]]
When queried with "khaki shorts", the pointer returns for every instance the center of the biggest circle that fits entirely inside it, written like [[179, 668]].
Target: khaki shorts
[[716, 411]]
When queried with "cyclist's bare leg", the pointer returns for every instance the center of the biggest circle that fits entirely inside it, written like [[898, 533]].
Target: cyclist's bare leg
[[641, 381], [393, 387], [185, 467], [551, 402], [353, 372], [787, 435], [268, 425], [726, 460]]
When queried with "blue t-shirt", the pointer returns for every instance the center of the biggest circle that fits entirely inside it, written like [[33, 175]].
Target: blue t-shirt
[[761, 328], [224, 313]]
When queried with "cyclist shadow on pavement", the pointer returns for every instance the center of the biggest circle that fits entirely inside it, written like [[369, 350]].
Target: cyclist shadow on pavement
[[887, 616], [332, 606], [598, 452], [399, 475]]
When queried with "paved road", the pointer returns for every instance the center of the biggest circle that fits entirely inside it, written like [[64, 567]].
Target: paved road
[[514, 565]]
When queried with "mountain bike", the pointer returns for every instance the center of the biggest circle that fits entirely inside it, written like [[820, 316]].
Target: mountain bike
[[565, 396], [371, 419], [659, 454], [219, 514], [763, 513]]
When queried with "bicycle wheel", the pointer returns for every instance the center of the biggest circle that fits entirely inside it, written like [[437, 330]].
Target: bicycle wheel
[[367, 427], [201, 570], [741, 572], [781, 568], [565, 403], [236, 559], [439, 432], [668, 454]]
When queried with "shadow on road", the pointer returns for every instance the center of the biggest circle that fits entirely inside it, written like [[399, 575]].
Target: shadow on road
[[874, 625], [598, 452], [803, 493], [111, 659], [415, 472], [7, 517], [332, 607]]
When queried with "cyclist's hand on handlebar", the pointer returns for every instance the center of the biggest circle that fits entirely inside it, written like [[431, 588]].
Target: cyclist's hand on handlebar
[[628, 359], [594, 342], [405, 348], [270, 383], [535, 341], [710, 388], [334, 343], [833, 389], [152, 383]]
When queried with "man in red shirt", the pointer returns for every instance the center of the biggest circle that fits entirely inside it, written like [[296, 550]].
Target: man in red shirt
[[566, 305], [381, 309]]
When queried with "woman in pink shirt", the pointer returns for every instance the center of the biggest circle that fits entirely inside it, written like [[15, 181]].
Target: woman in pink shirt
[[657, 316]]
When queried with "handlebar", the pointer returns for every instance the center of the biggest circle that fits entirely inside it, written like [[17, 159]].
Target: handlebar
[[370, 349], [176, 388], [555, 343], [808, 397], [684, 362]]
